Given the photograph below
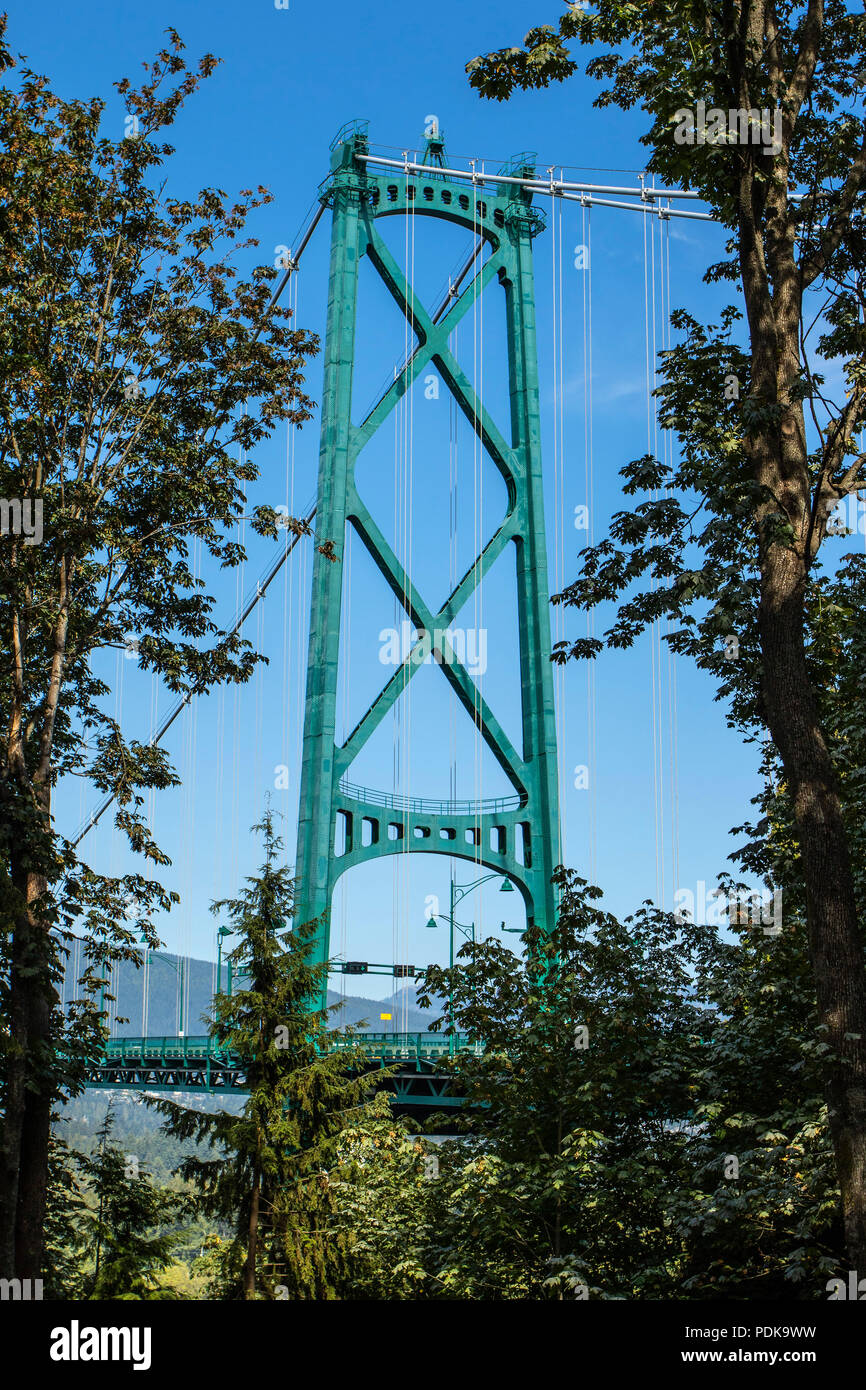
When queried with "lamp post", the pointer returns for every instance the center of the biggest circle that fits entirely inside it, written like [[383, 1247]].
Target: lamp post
[[223, 932], [458, 892]]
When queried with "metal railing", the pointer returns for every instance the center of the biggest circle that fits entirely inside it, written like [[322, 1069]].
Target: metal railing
[[423, 806], [199, 1048]]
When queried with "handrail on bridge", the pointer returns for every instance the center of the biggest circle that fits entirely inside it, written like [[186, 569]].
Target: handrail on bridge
[[420, 805], [192, 1048]]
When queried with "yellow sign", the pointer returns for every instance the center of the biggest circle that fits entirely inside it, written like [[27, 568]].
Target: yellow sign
[[388, 1016]]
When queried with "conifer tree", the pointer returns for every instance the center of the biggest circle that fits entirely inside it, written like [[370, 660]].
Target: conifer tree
[[270, 1177], [128, 1232], [64, 1236]]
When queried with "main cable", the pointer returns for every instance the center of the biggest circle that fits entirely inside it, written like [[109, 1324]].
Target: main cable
[[291, 266]]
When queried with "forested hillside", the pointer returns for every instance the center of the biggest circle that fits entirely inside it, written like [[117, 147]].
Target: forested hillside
[[183, 989]]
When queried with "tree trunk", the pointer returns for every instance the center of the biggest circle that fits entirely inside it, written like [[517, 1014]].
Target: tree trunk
[[835, 941], [35, 1136], [252, 1236], [29, 1085], [14, 1106]]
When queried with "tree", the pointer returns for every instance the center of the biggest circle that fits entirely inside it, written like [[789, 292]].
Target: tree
[[122, 1230], [138, 373], [642, 1124], [383, 1184], [581, 1089], [730, 537], [760, 1217], [64, 1209], [271, 1177], [835, 634]]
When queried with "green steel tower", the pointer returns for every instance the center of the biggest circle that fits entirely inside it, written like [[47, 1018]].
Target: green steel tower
[[339, 825]]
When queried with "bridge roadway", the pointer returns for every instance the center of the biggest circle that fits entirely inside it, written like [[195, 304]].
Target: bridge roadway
[[187, 1063]]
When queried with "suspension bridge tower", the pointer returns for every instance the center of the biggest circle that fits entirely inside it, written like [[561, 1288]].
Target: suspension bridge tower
[[340, 825]]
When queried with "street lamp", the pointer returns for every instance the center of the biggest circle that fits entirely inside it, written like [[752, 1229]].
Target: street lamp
[[458, 892], [223, 932]]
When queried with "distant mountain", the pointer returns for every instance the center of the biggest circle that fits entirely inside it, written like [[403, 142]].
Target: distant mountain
[[162, 1014], [402, 1005]]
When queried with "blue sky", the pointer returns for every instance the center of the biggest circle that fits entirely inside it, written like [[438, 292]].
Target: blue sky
[[664, 788]]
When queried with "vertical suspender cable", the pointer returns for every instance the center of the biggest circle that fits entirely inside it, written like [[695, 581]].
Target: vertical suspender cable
[[659, 451], [114, 976], [650, 361], [397, 708], [589, 446], [559, 507], [478, 460], [671, 654], [555, 235]]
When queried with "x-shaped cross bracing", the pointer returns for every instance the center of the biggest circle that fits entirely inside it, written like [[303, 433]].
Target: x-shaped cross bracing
[[433, 347]]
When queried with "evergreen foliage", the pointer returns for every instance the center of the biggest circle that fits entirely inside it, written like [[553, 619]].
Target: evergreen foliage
[[270, 1175], [127, 1231]]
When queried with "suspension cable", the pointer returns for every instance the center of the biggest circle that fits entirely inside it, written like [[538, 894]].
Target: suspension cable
[[274, 569], [572, 192]]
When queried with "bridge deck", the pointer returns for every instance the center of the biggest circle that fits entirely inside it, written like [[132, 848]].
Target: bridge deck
[[197, 1063]]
